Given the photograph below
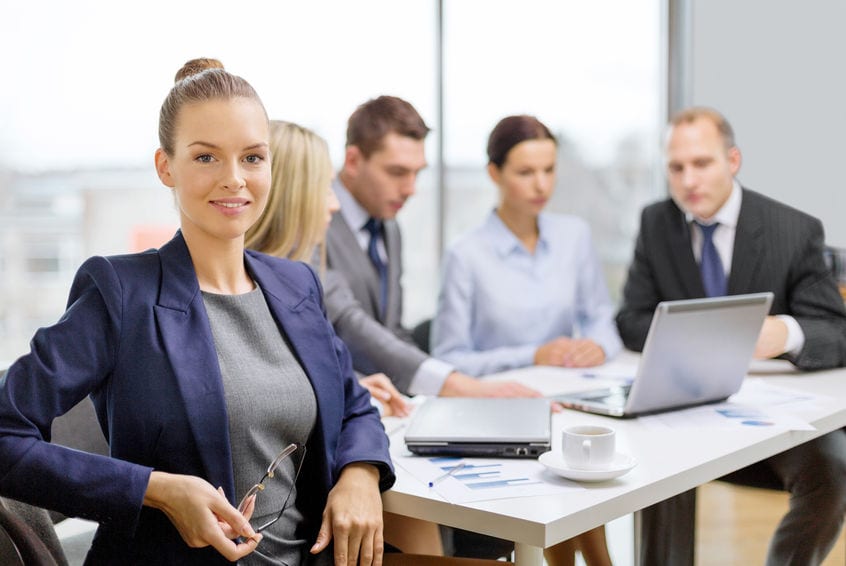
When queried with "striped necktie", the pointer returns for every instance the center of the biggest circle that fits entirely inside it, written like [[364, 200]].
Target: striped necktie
[[710, 265]]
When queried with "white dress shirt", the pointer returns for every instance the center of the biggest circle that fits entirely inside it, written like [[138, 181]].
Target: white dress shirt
[[499, 302]]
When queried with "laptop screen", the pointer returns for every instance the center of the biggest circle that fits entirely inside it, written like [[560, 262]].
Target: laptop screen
[[697, 351]]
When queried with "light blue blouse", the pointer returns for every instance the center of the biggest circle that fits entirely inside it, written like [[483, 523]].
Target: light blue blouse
[[498, 302]]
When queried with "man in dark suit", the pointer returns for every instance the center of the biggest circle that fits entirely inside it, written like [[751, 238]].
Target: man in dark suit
[[384, 154], [714, 237]]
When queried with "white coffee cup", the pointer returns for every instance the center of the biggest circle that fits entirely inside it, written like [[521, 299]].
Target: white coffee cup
[[588, 447]]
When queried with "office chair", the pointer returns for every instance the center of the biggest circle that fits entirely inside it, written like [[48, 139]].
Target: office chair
[[27, 536], [835, 259], [420, 335]]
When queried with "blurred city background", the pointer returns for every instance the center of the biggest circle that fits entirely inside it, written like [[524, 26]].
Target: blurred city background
[[85, 80]]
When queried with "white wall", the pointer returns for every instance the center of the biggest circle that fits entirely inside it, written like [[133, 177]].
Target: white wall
[[775, 69]]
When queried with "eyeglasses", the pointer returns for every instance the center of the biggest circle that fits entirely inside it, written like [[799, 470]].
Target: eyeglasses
[[294, 451]]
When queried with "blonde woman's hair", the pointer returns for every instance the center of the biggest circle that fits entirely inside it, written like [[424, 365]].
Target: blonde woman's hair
[[292, 224]]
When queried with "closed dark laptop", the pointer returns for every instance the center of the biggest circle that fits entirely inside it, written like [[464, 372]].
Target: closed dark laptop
[[697, 351], [496, 428]]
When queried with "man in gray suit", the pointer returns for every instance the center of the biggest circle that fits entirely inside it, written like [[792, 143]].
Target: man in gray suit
[[714, 237], [384, 154]]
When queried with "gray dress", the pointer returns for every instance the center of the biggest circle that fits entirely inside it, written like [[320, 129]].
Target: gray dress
[[270, 404]]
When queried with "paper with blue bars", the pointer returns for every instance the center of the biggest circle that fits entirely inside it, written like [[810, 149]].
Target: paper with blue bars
[[461, 480]]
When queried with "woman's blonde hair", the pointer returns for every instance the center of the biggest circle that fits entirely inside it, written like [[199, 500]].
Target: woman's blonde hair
[[292, 225]]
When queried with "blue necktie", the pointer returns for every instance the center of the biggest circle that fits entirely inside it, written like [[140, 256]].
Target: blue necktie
[[375, 228], [713, 276]]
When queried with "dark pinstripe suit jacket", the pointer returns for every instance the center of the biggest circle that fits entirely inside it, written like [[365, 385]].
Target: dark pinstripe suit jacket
[[776, 248]]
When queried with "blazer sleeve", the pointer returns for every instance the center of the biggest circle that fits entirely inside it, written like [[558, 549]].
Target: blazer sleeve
[[67, 361], [361, 437], [368, 339], [816, 304], [640, 292]]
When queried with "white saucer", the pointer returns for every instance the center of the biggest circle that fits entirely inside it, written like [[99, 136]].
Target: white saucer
[[621, 464]]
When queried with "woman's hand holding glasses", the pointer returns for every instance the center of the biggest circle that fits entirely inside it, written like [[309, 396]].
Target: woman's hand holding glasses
[[201, 514]]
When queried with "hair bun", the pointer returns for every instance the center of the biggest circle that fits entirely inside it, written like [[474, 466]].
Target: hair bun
[[196, 66]]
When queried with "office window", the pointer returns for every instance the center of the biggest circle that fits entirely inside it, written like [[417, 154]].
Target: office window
[[78, 122], [79, 116], [591, 71]]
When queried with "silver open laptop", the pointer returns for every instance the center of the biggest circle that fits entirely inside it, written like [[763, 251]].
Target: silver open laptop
[[697, 351], [495, 428]]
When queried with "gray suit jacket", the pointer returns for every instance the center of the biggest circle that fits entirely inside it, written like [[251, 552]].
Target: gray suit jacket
[[776, 248], [352, 302], [374, 348]]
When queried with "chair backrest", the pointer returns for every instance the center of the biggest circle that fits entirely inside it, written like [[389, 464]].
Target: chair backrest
[[835, 259], [80, 429], [9, 554], [420, 334], [28, 536]]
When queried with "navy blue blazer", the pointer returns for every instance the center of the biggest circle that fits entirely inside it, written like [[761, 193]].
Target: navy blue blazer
[[136, 338]]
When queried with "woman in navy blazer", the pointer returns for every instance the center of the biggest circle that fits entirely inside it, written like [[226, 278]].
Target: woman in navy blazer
[[137, 339]]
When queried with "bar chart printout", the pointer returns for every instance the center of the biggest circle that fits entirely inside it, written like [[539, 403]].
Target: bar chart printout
[[462, 480]]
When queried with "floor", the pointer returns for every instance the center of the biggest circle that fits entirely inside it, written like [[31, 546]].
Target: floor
[[734, 525]]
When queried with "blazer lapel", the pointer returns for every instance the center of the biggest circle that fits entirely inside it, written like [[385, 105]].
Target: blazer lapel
[[681, 252], [748, 249], [187, 338]]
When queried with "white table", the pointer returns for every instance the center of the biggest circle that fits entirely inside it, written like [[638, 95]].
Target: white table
[[669, 462]]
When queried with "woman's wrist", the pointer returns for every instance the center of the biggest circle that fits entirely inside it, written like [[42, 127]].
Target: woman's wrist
[[156, 488], [360, 472]]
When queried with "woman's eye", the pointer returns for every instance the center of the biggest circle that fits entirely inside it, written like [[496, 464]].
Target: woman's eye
[[205, 158], [254, 159]]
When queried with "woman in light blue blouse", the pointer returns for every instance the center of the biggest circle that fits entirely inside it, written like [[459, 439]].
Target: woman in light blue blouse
[[525, 287]]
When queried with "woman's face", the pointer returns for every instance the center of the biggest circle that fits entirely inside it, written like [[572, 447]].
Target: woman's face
[[220, 169], [527, 178]]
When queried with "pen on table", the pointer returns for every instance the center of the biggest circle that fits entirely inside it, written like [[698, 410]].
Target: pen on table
[[452, 472]]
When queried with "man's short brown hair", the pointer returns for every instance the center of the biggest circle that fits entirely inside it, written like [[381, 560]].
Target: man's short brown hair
[[376, 118], [690, 115]]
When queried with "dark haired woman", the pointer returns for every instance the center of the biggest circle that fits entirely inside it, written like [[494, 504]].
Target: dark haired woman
[[526, 287]]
